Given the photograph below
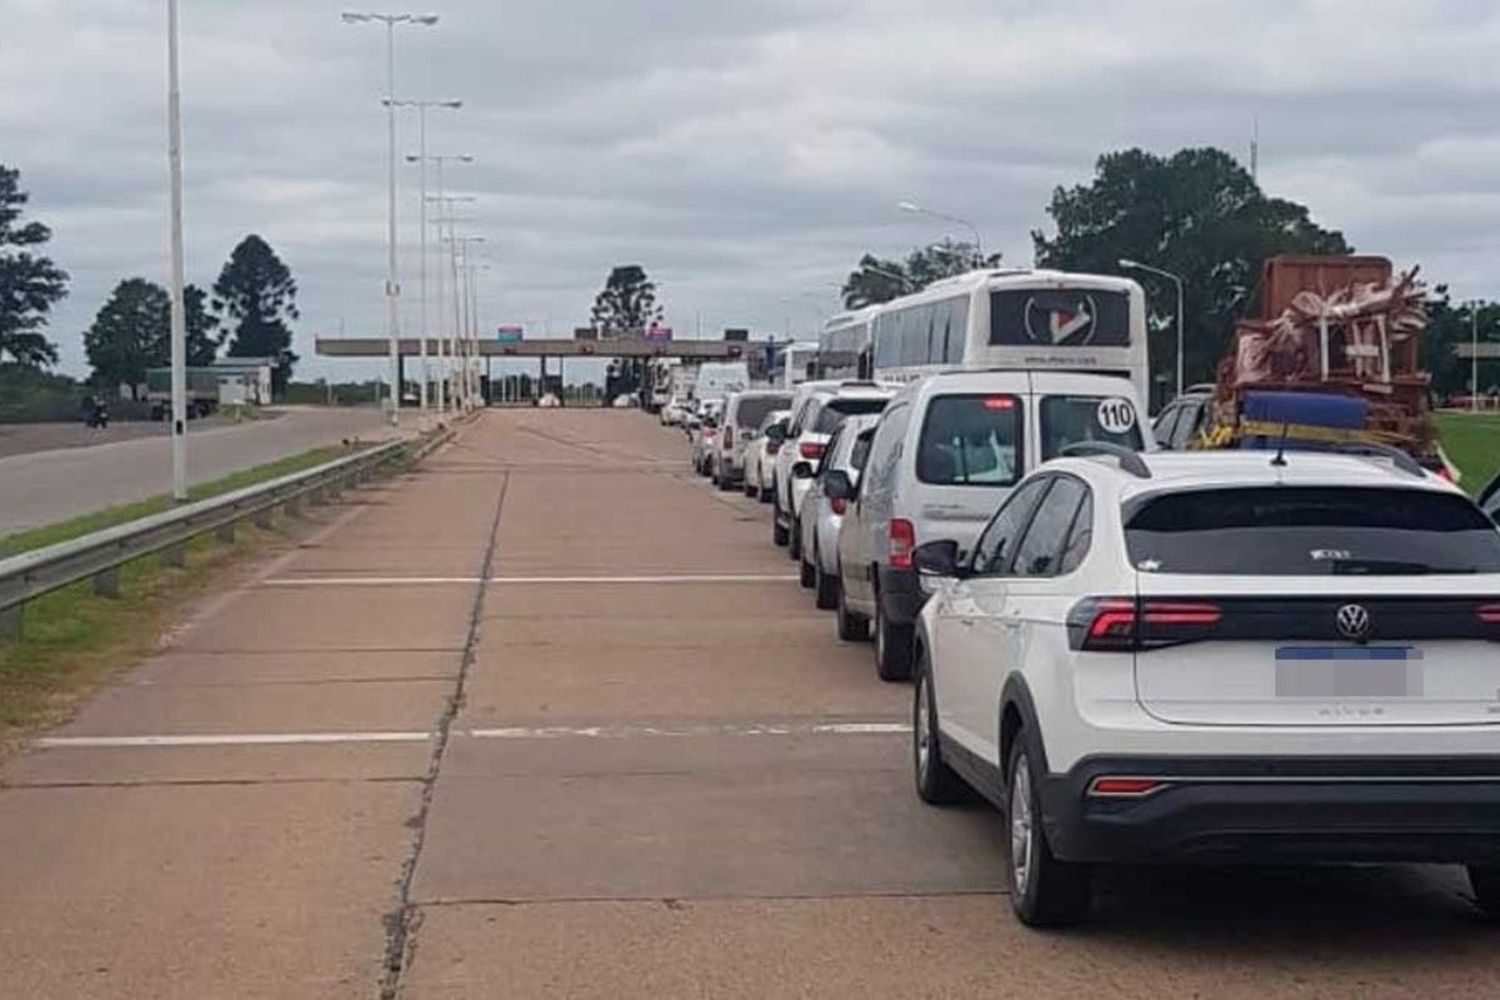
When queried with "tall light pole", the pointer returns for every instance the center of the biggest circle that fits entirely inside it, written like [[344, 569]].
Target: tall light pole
[[915, 209], [421, 159], [1134, 265], [456, 332], [179, 315], [1474, 359], [443, 367], [392, 278], [462, 246]]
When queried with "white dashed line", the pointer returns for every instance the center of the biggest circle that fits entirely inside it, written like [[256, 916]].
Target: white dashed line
[[427, 581], [495, 733]]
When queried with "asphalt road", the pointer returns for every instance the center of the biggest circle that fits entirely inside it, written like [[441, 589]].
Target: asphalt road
[[550, 718], [53, 478]]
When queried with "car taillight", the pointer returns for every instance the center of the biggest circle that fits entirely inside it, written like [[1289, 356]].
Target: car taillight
[[838, 505], [903, 543], [811, 450], [728, 436], [1489, 614], [1123, 624]]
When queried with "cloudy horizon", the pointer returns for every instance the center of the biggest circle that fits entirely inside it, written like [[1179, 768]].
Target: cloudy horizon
[[746, 158]]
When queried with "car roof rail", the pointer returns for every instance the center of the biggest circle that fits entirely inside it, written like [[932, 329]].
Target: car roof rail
[[1130, 460], [1371, 449]]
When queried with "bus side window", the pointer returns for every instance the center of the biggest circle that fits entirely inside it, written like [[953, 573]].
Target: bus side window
[[959, 334]]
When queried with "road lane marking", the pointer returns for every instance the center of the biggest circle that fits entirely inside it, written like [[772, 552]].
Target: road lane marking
[[726, 729], [421, 581], [493, 733], [224, 740]]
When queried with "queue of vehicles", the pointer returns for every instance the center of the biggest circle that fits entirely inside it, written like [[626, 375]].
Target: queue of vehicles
[[1138, 651]]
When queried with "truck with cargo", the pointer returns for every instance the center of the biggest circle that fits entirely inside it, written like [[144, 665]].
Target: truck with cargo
[[1331, 363]]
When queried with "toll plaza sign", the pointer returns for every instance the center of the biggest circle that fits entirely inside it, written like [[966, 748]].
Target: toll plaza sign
[[510, 333]]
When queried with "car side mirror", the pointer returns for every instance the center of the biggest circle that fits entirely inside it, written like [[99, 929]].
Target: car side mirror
[[837, 485], [776, 433], [802, 470], [939, 558]]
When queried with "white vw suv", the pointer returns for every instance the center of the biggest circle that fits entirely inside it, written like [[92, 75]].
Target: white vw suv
[[1222, 657]]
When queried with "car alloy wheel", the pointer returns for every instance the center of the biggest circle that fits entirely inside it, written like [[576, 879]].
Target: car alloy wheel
[[1022, 825]]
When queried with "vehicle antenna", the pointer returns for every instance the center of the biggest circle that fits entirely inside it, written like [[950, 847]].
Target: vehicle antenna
[[1280, 460]]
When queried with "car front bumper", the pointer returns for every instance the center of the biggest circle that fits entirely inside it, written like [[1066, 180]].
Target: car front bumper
[[1280, 810]]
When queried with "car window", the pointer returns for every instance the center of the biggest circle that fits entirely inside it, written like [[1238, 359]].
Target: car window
[[1166, 424], [828, 459], [1490, 499], [1310, 531], [971, 440], [860, 453], [1080, 536], [1069, 420], [1187, 427], [833, 414], [1041, 548], [751, 410], [885, 450], [997, 543]]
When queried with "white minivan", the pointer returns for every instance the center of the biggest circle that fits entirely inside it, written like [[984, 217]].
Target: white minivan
[[947, 452]]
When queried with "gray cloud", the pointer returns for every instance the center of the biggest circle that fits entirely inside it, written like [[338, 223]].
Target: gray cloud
[[746, 153]]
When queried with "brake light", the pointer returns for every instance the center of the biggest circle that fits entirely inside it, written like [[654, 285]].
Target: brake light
[[838, 505], [1123, 624], [1489, 614], [811, 450], [1000, 403], [903, 543], [728, 436]]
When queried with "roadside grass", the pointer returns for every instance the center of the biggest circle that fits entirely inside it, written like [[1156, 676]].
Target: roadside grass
[[51, 534], [1472, 441], [73, 641]]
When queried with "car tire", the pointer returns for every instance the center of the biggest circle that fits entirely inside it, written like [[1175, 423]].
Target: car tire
[[750, 490], [794, 540], [725, 483], [806, 575], [852, 626], [1484, 880], [937, 783], [780, 533], [1044, 892], [765, 495], [825, 586], [892, 646]]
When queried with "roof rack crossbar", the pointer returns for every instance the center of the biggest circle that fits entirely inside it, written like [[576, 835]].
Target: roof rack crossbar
[[1130, 460]]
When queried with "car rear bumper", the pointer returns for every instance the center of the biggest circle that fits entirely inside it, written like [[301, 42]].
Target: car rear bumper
[[1280, 810]]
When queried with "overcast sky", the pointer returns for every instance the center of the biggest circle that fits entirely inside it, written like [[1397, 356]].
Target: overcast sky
[[745, 153]]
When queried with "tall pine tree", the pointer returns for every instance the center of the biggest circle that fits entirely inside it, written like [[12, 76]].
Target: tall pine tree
[[256, 298], [30, 284]]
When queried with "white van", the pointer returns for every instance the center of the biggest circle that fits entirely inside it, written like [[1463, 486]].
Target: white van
[[717, 379], [946, 453]]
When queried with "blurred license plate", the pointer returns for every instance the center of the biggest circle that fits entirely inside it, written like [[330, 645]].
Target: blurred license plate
[[1348, 672]]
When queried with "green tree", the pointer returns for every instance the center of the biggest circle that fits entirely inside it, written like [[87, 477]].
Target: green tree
[[256, 300], [1197, 214], [1448, 327], [627, 303], [30, 284], [875, 280], [132, 332]]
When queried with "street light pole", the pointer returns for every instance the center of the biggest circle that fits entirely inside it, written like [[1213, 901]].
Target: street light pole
[[421, 160], [1474, 359], [392, 279], [1132, 265], [175, 252], [915, 209]]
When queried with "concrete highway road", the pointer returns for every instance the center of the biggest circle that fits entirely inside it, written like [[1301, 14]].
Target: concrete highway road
[[550, 718], [63, 481]]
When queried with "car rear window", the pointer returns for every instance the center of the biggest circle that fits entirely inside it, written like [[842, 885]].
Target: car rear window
[[1310, 531], [971, 440], [1068, 420], [752, 410], [834, 413]]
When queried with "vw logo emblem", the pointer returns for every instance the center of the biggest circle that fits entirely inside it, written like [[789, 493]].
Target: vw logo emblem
[[1353, 622]]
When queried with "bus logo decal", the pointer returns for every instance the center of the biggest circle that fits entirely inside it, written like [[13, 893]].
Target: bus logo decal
[[1052, 320]]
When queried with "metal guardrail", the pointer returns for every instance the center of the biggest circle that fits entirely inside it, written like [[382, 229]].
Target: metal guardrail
[[99, 556]]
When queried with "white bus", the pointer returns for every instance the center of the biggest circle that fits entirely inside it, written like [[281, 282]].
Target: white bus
[[1015, 318], [844, 345]]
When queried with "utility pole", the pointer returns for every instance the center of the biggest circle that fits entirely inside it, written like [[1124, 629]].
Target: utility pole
[[175, 252]]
